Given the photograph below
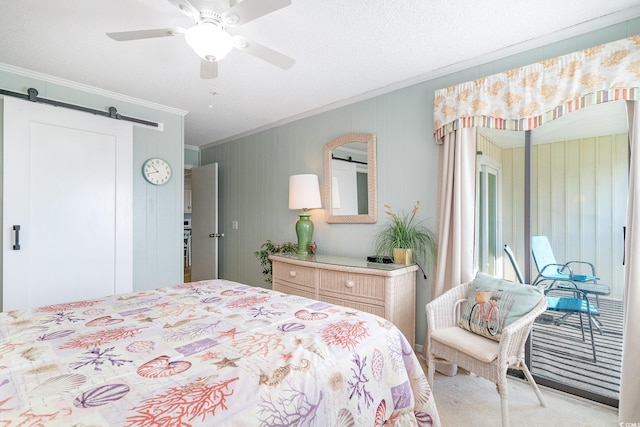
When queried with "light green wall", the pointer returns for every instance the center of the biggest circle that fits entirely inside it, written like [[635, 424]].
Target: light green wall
[[157, 211], [254, 170], [590, 229], [191, 156]]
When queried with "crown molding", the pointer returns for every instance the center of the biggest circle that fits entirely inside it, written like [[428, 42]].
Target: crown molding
[[90, 89], [557, 36]]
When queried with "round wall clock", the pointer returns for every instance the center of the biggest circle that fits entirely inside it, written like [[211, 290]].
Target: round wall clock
[[156, 171]]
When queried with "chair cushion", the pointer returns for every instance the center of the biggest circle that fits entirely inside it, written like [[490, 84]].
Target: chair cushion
[[494, 303], [474, 345]]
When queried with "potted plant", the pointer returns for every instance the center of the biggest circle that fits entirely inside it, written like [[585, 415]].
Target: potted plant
[[404, 236], [270, 248]]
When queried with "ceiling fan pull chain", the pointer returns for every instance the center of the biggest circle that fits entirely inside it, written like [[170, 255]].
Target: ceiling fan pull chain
[[212, 93]]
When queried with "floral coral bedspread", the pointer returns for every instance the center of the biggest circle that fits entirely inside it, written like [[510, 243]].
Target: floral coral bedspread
[[211, 353]]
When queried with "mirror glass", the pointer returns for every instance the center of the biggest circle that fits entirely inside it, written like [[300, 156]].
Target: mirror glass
[[350, 179]]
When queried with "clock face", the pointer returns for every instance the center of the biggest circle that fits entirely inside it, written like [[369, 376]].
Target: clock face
[[156, 171]]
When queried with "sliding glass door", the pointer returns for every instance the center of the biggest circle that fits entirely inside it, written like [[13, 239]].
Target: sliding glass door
[[488, 215], [575, 197], [578, 204]]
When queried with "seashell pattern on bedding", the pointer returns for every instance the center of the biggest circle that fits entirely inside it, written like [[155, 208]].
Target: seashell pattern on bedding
[[208, 353]]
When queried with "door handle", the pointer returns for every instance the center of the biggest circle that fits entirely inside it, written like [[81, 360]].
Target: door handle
[[16, 244], [216, 235]]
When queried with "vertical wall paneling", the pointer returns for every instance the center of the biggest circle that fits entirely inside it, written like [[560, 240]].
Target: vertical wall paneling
[[604, 221], [589, 201], [558, 193], [579, 201], [407, 168]]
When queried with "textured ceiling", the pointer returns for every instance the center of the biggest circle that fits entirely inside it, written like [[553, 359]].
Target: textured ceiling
[[344, 50]]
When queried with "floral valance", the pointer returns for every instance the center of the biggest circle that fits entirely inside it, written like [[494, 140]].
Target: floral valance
[[527, 97]]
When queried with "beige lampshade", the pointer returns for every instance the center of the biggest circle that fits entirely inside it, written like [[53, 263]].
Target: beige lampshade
[[304, 192]]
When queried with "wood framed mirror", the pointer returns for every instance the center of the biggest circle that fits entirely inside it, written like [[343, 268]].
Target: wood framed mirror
[[350, 186]]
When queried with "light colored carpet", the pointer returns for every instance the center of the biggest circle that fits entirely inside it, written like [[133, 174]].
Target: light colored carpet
[[468, 400]]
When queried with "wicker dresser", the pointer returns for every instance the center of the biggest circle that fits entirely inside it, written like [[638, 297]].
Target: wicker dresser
[[387, 290]]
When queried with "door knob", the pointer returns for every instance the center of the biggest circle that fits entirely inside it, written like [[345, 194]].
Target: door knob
[[216, 235]]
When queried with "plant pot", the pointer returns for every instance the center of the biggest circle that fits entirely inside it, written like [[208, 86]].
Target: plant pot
[[403, 256]]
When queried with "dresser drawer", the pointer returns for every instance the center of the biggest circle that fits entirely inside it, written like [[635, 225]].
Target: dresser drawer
[[386, 292], [294, 289], [364, 288], [378, 310], [297, 274]]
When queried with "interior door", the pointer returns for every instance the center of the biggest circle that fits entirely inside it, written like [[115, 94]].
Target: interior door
[[67, 184], [204, 222]]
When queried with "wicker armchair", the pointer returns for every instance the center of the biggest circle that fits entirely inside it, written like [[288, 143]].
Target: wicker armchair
[[485, 357]]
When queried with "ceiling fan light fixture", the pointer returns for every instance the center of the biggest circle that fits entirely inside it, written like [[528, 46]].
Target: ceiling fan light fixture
[[209, 41]]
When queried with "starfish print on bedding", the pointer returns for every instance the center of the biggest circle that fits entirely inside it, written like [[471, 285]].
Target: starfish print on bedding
[[286, 356], [231, 333], [227, 362]]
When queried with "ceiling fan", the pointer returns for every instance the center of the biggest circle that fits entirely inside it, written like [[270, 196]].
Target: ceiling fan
[[208, 38]]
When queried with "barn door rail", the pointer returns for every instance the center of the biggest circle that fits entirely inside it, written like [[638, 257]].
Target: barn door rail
[[112, 112]]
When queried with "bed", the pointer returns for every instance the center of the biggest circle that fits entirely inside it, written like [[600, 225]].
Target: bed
[[210, 353]]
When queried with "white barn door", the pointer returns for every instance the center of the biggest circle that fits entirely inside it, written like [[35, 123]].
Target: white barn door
[[67, 184]]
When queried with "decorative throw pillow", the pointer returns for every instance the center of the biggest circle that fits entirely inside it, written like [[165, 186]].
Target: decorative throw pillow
[[494, 303]]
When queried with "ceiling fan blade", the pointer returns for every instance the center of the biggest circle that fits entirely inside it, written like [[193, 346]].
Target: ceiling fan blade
[[265, 53], [208, 69], [186, 8], [124, 36], [248, 10]]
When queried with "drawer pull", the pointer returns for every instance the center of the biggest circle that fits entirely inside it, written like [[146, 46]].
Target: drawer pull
[[292, 273], [349, 284]]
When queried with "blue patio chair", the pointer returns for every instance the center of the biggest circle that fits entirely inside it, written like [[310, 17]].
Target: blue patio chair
[[563, 275], [577, 304]]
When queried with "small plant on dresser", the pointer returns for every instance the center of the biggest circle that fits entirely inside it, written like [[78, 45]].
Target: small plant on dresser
[[404, 231], [270, 248]]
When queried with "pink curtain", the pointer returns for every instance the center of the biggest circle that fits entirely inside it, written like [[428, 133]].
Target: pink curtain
[[456, 219], [456, 207], [629, 410]]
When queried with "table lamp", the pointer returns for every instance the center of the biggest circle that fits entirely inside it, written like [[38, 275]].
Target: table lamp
[[304, 193]]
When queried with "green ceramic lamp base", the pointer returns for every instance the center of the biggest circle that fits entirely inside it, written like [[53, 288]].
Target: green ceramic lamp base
[[304, 230]]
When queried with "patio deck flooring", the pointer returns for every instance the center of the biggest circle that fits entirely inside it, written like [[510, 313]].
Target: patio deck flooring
[[559, 354]]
